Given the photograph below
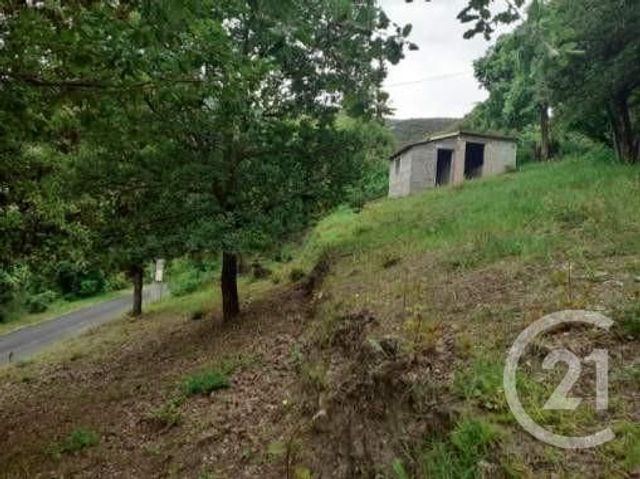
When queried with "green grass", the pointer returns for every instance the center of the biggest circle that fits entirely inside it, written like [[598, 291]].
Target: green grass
[[57, 308], [626, 447], [582, 211], [482, 382], [628, 321], [205, 382], [567, 205], [458, 457], [78, 440]]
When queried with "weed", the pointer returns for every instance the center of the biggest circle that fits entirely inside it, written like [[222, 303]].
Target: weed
[[628, 321], [296, 275], [390, 262], [314, 374], [482, 382], [296, 356], [458, 456], [78, 440], [302, 472], [630, 374], [464, 344], [277, 449], [204, 382], [229, 364], [206, 475], [626, 446], [424, 332], [399, 471], [23, 363], [169, 414]]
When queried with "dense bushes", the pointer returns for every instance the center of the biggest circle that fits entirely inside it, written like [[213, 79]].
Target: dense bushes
[[23, 290], [186, 275], [39, 302], [75, 281], [11, 286]]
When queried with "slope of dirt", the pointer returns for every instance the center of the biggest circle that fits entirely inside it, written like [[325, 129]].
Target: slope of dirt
[[385, 362], [228, 433]]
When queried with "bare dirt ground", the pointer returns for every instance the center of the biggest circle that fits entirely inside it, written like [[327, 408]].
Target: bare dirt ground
[[227, 434], [339, 378]]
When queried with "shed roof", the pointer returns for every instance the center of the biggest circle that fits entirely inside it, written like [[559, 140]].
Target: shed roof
[[453, 134]]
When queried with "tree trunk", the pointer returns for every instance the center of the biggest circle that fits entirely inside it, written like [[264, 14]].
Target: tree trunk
[[545, 136], [137, 276], [229, 286], [626, 143]]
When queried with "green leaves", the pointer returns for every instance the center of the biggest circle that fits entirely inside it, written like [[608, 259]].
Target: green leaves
[[153, 129]]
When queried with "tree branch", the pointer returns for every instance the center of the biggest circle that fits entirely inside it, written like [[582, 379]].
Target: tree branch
[[37, 81]]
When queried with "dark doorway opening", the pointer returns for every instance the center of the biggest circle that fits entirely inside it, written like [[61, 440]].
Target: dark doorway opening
[[474, 160], [443, 170]]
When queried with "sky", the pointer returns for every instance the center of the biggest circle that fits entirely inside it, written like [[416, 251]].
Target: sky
[[437, 80]]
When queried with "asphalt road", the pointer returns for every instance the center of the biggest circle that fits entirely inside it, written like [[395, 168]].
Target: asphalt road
[[25, 342]]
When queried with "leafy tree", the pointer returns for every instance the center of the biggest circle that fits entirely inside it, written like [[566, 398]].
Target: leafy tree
[[251, 89], [79, 79], [134, 208], [484, 20], [515, 73], [375, 144], [604, 79], [266, 155], [579, 57]]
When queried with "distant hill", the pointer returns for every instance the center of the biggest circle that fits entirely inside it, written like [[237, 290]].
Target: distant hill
[[416, 129]]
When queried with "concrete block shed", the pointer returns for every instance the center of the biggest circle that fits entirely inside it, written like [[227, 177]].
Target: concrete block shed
[[449, 158]]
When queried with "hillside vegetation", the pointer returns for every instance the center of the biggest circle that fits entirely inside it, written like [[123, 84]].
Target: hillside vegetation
[[376, 351]]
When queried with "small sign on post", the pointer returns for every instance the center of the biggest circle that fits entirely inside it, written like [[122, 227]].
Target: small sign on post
[[159, 273]]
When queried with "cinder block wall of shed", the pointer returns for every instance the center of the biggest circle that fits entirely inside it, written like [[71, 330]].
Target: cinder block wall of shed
[[400, 182], [500, 157], [423, 168]]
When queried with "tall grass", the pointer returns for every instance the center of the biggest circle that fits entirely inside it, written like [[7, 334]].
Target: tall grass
[[566, 205]]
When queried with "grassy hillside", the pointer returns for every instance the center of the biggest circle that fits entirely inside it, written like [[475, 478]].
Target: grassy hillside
[[416, 129], [377, 350]]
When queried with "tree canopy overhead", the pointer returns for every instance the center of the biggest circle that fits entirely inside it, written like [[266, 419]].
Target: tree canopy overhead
[[579, 59], [205, 124]]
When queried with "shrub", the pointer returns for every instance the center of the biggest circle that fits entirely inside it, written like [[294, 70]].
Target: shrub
[[205, 382], [168, 414], [259, 271], [116, 282], [76, 281], [91, 285], [38, 303], [13, 287], [186, 276], [187, 283], [79, 440]]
